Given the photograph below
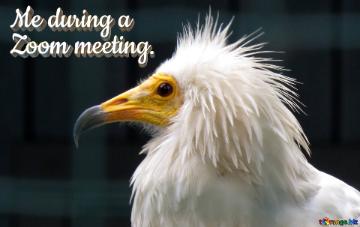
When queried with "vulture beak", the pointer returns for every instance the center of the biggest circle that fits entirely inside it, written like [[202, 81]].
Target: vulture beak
[[91, 118], [142, 103]]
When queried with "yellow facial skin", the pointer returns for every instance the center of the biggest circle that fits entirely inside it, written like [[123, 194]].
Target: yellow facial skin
[[144, 103]]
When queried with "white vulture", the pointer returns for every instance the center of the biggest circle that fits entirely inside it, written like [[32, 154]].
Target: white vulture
[[226, 149]]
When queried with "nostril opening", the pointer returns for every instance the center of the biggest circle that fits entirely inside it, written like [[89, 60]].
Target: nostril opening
[[120, 101]]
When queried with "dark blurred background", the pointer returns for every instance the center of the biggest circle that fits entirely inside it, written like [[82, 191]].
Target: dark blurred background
[[45, 181]]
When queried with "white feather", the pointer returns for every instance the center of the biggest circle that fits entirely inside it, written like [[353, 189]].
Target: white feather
[[232, 156]]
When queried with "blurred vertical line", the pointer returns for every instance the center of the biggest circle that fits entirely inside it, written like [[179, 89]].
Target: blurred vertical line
[[29, 94], [336, 71], [29, 83], [132, 6], [86, 79], [234, 6], [131, 78]]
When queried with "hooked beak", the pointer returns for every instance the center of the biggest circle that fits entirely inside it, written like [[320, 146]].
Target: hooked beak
[[123, 107], [89, 119], [142, 103]]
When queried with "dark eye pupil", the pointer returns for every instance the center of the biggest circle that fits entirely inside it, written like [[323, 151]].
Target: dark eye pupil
[[164, 89]]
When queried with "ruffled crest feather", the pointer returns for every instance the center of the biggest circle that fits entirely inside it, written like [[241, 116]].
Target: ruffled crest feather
[[235, 112]]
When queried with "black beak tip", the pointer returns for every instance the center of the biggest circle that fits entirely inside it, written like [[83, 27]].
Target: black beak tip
[[91, 118], [76, 140]]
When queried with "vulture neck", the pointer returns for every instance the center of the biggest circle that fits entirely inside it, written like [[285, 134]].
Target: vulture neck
[[273, 167], [260, 143]]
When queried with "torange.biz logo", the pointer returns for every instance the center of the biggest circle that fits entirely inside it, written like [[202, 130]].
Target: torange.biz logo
[[328, 221]]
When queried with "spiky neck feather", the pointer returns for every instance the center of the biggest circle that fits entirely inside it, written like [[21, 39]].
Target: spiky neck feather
[[232, 99], [235, 119]]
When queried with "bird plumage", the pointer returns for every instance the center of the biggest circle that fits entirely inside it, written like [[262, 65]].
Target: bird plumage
[[226, 149], [232, 156]]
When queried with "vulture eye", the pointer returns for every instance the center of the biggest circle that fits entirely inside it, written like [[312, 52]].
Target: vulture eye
[[164, 89]]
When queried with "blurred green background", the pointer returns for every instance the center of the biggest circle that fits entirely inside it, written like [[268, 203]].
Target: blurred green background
[[45, 181]]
